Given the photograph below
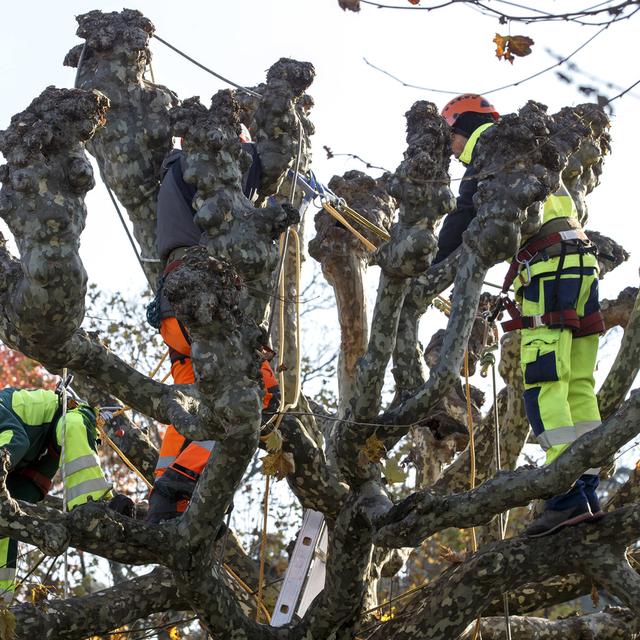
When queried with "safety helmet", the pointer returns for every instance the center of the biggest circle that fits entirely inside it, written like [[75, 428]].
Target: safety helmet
[[464, 103]]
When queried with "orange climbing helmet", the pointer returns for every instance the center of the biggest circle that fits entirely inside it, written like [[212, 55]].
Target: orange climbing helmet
[[467, 102]]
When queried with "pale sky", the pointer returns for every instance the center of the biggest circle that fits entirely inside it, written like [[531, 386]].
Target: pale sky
[[358, 110]]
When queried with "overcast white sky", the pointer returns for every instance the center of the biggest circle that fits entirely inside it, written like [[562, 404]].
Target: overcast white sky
[[358, 110]]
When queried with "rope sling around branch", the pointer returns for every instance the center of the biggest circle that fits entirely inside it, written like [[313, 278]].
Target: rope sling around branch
[[284, 404]]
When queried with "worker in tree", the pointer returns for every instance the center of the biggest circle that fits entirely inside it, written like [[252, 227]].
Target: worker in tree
[[181, 461], [555, 278], [32, 431]]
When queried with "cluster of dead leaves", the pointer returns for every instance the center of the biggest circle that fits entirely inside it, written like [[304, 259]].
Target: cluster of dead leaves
[[374, 451], [451, 556], [509, 46], [277, 462]]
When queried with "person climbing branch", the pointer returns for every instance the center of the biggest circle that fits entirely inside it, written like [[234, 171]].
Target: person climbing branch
[[555, 278]]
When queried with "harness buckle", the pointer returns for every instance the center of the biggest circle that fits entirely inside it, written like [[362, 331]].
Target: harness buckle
[[537, 322], [527, 264]]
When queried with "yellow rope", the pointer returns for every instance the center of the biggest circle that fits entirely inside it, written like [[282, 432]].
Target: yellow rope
[[334, 213], [157, 367], [367, 224], [284, 405], [123, 457], [152, 374], [247, 589]]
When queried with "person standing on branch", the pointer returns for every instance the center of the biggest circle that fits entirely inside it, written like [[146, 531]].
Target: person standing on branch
[[33, 435], [555, 278], [181, 461]]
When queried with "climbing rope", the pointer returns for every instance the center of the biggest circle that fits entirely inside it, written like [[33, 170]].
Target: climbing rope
[[100, 422], [109, 415], [64, 399], [334, 213], [472, 466], [263, 546], [444, 305], [489, 359], [284, 405]]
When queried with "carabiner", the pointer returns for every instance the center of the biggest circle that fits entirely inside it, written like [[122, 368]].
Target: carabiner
[[529, 278]]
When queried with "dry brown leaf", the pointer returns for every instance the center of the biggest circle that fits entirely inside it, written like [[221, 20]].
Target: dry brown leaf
[[7, 625], [278, 464], [509, 46], [414, 1], [595, 596], [372, 451], [352, 5], [274, 441], [451, 556], [39, 593]]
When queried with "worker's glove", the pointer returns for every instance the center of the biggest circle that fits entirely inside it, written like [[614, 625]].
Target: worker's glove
[[122, 504]]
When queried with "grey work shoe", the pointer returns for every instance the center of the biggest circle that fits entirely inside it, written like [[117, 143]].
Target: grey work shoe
[[551, 520]]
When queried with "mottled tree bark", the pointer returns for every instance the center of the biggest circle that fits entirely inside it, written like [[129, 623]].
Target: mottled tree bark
[[519, 163], [130, 147], [610, 624], [344, 261]]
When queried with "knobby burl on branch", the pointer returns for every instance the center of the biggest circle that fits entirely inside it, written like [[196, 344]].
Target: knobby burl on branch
[[520, 163]]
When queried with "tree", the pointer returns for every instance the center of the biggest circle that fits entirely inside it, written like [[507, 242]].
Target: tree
[[332, 463]]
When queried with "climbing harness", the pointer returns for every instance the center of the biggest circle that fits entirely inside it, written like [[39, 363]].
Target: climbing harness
[[541, 249]]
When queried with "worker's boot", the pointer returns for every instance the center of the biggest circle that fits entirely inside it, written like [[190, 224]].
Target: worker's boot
[[170, 496], [565, 510], [122, 504], [590, 483], [161, 506]]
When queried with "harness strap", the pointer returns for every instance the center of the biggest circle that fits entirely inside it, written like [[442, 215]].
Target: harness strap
[[174, 264], [39, 479], [176, 356], [531, 250], [593, 323], [556, 319]]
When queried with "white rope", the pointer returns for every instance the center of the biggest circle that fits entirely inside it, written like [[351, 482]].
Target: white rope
[[502, 520], [63, 398]]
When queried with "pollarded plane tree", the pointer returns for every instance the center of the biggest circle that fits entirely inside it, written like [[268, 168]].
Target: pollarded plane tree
[[334, 466]]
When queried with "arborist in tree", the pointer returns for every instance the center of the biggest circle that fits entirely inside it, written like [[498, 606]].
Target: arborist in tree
[[555, 279], [33, 434], [181, 461]]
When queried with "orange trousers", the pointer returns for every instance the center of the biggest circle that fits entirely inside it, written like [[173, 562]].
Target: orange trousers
[[188, 457]]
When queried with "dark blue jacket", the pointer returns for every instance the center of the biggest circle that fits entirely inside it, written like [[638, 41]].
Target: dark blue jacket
[[456, 223]]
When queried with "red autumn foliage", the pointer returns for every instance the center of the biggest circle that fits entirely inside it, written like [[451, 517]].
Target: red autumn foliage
[[16, 370]]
